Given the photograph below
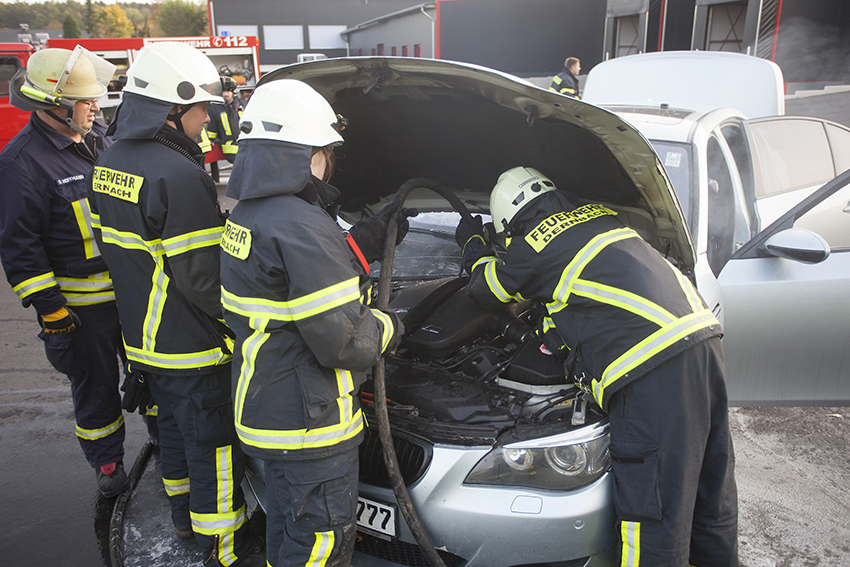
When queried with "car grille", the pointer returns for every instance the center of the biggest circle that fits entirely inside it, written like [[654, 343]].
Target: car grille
[[400, 552], [414, 456]]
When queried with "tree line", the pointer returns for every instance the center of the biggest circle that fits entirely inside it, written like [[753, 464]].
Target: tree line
[[167, 18]]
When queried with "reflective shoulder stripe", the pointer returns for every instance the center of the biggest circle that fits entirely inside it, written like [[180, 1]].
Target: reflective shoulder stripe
[[557, 80], [584, 256], [219, 524], [630, 535], [176, 486], [192, 241], [297, 309], [652, 345], [389, 327], [212, 357], [322, 549], [34, 285], [100, 433], [131, 241]]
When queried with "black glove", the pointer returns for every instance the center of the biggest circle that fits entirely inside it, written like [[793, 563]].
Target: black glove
[[467, 230], [137, 394], [59, 322], [398, 332], [370, 234]]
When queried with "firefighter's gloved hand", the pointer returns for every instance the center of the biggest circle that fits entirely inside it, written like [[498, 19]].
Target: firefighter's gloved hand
[[60, 322], [137, 394], [370, 234], [467, 230], [398, 332]]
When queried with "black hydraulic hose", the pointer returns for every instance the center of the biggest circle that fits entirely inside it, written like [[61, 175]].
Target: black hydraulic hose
[[390, 458]]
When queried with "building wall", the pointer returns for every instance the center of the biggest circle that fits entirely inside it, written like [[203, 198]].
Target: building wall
[[413, 31], [813, 42], [286, 28]]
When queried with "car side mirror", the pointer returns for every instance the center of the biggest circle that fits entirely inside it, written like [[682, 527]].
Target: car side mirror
[[798, 244]]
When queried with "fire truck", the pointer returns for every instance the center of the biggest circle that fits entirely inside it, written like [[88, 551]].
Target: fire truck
[[234, 56]]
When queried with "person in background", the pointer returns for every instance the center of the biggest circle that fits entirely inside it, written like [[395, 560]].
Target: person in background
[[294, 289], [633, 333], [47, 248], [566, 82], [156, 214], [223, 128]]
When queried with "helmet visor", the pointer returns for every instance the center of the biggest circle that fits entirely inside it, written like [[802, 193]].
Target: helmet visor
[[82, 58], [214, 88]]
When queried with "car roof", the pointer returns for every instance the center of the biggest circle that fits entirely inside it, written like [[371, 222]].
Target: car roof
[[673, 125], [463, 125]]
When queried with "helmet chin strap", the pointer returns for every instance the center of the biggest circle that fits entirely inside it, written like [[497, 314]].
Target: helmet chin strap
[[176, 117], [69, 122]]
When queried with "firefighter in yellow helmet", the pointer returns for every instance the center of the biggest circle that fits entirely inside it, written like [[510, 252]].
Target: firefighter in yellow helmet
[[634, 334], [46, 244]]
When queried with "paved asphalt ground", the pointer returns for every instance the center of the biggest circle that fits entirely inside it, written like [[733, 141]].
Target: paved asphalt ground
[[793, 464]]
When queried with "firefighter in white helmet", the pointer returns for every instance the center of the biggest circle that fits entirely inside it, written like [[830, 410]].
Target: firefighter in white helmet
[[295, 289], [160, 227], [47, 249], [634, 334]]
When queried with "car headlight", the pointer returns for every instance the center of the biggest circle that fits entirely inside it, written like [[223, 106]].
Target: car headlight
[[564, 465]]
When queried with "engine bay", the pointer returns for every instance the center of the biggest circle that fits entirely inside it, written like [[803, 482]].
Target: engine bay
[[465, 374]]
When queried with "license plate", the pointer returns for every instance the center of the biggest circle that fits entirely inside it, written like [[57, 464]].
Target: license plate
[[376, 518]]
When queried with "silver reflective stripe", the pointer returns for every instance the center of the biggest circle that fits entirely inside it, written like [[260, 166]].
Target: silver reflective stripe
[[321, 549], [301, 308], [250, 349], [156, 305], [301, 439], [78, 284], [86, 212], [35, 284], [188, 360], [218, 523], [94, 434], [198, 239], [624, 300], [494, 284], [585, 255], [630, 534], [88, 299]]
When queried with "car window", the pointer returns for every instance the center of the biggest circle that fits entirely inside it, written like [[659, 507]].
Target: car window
[[792, 154], [8, 67], [735, 139], [839, 139], [677, 161], [830, 219]]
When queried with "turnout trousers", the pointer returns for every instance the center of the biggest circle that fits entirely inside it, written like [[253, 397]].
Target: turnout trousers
[[90, 357], [673, 464], [311, 512], [202, 462]]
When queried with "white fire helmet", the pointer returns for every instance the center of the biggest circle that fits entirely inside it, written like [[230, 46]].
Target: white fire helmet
[[174, 72], [515, 189], [291, 111], [75, 75]]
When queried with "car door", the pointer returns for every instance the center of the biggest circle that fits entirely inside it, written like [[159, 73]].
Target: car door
[[786, 297]]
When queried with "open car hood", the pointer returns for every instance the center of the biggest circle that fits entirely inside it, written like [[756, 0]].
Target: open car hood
[[463, 125]]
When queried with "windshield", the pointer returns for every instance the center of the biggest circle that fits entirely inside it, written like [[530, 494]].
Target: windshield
[[677, 160]]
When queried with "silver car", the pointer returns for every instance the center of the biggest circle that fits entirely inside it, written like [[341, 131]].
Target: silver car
[[505, 466]]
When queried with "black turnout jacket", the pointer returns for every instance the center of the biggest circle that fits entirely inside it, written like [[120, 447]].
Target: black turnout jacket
[[294, 293], [156, 212], [618, 306]]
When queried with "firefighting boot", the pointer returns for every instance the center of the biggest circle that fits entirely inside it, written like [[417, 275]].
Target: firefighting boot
[[255, 557], [112, 480]]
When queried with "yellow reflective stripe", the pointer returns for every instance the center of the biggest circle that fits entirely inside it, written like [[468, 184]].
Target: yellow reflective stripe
[[321, 549], [82, 212], [34, 285], [78, 299], [212, 357], [152, 411], [555, 307], [229, 147], [250, 349], [344, 385], [131, 241], [584, 256], [557, 80], [693, 296], [309, 305], [173, 487], [225, 488], [387, 333], [219, 524], [205, 143], [470, 239], [650, 346], [495, 285], [156, 305], [482, 261], [95, 219], [295, 439], [95, 282], [630, 534], [192, 241], [567, 90], [548, 325], [100, 433], [225, 123], [624, 300]]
